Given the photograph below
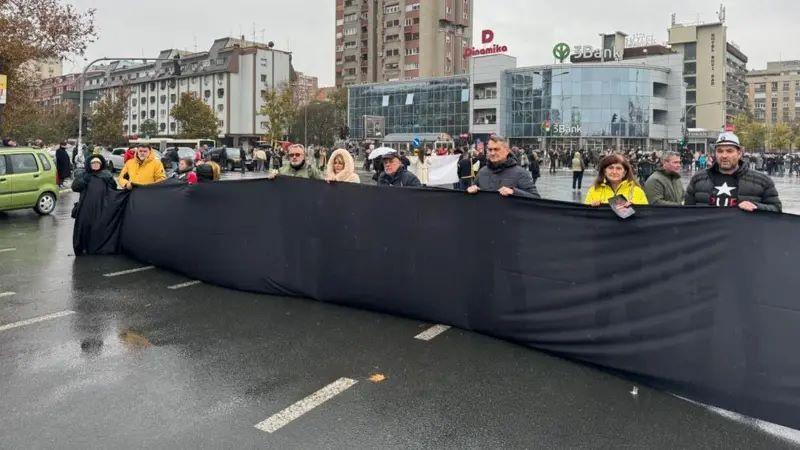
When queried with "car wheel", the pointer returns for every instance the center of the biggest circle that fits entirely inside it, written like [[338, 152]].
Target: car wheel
[[46, 204]]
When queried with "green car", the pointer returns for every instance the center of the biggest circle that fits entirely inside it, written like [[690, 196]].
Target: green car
[[27, 180]]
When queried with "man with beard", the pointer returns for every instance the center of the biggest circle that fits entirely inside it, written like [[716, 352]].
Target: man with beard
[[502, 174], [298, 166], [729, 183]]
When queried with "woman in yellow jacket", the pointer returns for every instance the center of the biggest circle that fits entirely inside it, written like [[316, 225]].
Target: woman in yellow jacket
[[615, 177], [145, 168]]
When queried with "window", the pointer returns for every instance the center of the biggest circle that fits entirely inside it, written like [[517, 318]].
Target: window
[[207, 93], [133, 102], [385, 101], [162, 126], [144, 88], [133, 128], [220, 93], [172, 126], [163, 99], [220, 107], [124, 129], [152, 113], [392, 23], [690, 52], [133, 116], [164, 84], [152, 99], [144, 100], [351, 31], [172, 98], [391, 9], [391, 38], [412, 36], [409, 99], [412, 7], [411, 66], [45, 162], [172, 84], [23, 163], [144, 114], [412, 51]]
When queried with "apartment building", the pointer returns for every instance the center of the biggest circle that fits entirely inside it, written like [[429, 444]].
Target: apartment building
[[774, 93], [392, 40], [231, 78], [714, 73], [305, 88]]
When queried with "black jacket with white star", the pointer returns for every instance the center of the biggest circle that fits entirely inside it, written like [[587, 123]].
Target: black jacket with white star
[[754, 187]]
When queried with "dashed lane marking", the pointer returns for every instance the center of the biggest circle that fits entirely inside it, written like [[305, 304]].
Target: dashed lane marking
[[6, 294], [6, 250], [279, 420], [432, 332], [129, 271], [183, 285], [23, 323]]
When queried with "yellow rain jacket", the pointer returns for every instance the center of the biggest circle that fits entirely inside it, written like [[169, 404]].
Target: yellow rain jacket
[[148, 171], [627, 189]]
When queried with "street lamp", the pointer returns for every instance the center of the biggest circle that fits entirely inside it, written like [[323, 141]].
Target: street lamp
[[176, 69]]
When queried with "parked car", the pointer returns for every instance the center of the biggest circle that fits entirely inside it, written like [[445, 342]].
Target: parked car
[[27, 180], [233, 161], [115, 159]]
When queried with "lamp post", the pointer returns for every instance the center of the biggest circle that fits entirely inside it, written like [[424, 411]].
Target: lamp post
[[177, 72]]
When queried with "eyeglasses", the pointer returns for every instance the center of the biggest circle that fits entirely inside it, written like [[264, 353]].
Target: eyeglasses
[[295, 155]]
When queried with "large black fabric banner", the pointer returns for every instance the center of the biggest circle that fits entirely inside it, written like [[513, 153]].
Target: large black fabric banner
[[702, 302]]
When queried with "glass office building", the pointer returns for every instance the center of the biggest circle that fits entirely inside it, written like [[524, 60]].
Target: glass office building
[[434, 105], [582, 106]]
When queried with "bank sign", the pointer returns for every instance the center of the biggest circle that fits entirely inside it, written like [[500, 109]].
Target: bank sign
[[487, 37], [562, 51]]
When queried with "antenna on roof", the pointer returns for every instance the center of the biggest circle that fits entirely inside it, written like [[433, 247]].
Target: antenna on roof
[[674, 15]]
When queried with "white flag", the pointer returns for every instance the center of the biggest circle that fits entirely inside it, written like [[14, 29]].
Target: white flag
[[443, 170]]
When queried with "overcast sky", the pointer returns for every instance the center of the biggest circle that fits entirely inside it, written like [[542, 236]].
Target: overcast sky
[[765, 30]]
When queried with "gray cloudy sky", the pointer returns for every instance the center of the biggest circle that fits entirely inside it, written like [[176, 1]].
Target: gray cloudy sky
[[765, 30]]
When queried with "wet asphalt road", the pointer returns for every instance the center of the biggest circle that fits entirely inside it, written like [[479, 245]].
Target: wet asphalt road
[[134, 364]]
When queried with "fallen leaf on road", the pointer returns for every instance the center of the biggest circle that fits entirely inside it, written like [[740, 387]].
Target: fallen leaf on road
[[377, 378]]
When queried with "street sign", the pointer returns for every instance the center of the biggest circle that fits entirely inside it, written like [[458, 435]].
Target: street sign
[[416, 142], [3, 89], [88, 96]]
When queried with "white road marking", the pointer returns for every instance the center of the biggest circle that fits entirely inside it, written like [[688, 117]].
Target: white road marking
[[183, 285], [432, 332], [22, 323], [784, 433], [305, 405], [6, 294], [129, 271], [6, 250]]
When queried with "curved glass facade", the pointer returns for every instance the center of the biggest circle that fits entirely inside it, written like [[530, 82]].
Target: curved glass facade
[[438, 105], [579, 102]]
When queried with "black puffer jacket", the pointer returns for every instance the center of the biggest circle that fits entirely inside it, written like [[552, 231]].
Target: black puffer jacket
[[507, 174], [754, 187], [401, 178]]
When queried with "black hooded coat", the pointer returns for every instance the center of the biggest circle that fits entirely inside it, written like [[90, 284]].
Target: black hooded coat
[[99, 211]]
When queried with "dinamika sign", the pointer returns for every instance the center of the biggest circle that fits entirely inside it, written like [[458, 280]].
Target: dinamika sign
[[487, 37]]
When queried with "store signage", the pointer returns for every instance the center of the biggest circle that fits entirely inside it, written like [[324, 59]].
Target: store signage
[[562, 51], [560, 128], [487, 37]]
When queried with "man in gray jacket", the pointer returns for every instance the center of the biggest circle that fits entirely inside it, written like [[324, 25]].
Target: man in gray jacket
[[502, 174], [664, 187], [729, 183]]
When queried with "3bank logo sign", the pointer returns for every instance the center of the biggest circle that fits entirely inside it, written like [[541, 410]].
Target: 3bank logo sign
[[561, 51]]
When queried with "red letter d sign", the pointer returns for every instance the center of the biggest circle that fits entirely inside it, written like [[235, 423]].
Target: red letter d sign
[[487, 36]]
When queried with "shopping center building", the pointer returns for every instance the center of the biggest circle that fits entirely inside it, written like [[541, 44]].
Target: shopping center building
[[622, 105]]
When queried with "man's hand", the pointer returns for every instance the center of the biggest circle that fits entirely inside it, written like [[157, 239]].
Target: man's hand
[[596, 203], [271, 176], [506, 191], [473, 189], [748, 206]]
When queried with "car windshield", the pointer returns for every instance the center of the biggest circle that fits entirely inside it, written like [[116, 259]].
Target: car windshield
[[185, 153]]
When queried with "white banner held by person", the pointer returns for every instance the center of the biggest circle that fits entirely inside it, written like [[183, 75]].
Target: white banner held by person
[[443, 170]]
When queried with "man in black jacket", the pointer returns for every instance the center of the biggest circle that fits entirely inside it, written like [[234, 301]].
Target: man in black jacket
[[395, 173], [502, 174], [730, 183], [63, 166]]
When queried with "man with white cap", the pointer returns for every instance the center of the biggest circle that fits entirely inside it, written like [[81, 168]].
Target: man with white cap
[[730, 183]]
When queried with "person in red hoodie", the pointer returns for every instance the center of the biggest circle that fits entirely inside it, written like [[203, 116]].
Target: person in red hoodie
[[130, 154], [185, 171]]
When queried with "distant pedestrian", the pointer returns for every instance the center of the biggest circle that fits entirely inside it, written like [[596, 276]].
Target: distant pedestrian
[[259, 159], [420, 164], [242, 158], [63, 166], [535, 167], [578, 167], [664, 187]]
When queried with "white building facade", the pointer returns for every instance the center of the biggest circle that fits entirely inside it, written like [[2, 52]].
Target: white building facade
[[231, 78]]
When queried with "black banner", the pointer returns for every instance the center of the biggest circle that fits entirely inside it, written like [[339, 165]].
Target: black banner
[[701, 302]]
